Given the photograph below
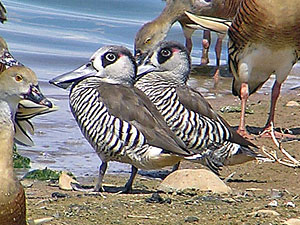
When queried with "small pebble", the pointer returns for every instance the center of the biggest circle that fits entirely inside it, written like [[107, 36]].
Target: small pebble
[[275, 193], [156, 198], [264, 212], [228, 200], [290, 204], [292, 104], [27, 183], [58, 195], [273, 203], [191, 219]]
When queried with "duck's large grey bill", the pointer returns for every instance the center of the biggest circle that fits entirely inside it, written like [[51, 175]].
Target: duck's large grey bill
[[67, 79], [145, 67]]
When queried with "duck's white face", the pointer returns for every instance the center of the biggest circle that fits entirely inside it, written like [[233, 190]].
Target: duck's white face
[[170, 57], [114, 64]]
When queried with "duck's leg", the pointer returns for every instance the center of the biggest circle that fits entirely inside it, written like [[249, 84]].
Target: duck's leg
[[244, 93], [128, 185], [268, 127], [218, 50], [205, 44], [187, 32], [102, 170], [188, 38]]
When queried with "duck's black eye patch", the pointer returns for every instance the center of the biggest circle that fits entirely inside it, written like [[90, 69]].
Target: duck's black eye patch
[[164, 54], [109, 58]]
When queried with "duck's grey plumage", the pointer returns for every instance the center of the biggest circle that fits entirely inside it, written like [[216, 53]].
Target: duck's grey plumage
[[117, 119], [187, 113]]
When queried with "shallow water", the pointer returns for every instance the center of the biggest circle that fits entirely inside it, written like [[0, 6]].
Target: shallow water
[[53, 37]]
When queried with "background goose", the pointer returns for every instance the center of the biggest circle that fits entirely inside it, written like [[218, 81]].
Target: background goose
[[16, 83], [263, 40], [26, 109], [155, 31]]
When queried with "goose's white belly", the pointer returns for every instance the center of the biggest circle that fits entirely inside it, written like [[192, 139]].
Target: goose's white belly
[[258, 62]]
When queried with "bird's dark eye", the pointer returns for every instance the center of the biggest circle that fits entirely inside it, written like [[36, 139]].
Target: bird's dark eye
[[207, 0], [111, 57], [165, 52], [164, 55]]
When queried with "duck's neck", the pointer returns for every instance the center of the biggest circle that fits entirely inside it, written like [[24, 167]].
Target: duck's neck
[[7, 176], [173, 10]]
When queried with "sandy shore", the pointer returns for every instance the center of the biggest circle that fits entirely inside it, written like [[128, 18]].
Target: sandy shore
[[255, 186]]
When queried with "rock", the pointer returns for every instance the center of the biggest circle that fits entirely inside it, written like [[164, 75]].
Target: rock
[[275, 194], [156, 198], [26, 183], [40, 221], [253, 189], [292, 104], [292, 221], [228, 200], [199, 179], [65, 181], [264, 212], [59, 195], [191, 219]]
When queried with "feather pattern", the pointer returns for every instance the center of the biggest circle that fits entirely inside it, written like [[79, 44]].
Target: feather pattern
[[123, 130], [192, 119]]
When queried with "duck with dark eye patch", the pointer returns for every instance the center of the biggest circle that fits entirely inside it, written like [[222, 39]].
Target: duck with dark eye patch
[[118, 120], [187, 113], [151, 33]]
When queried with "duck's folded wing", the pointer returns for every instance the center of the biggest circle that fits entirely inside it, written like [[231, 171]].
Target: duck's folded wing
[[133, 106], [194, 100]]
